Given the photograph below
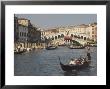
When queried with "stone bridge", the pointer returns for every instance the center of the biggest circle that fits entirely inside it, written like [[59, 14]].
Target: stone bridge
[[59, 39]]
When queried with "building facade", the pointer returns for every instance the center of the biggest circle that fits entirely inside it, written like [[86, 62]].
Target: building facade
[[92, 32], [34, 36], [21, 32], [25, 34]]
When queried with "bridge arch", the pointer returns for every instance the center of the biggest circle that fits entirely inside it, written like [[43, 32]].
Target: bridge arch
[[78, 37], [55, 37], [81, 37], [75, 36], [72, 35], [52, 38], [59, 36], [88, 39], [84, 38], [62, 35]]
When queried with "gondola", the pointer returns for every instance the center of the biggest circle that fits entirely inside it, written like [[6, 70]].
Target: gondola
[[74, 67]]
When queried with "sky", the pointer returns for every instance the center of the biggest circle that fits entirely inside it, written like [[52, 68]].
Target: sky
[[46, 21]]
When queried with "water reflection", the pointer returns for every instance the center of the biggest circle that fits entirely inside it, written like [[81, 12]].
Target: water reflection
[[71, 73]]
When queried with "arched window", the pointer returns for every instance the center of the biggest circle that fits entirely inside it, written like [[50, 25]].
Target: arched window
[[25, 34], [22, 33]]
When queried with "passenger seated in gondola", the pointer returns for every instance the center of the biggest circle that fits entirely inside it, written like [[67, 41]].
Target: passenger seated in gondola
[[83, 60], [72, 62], [78, 61]]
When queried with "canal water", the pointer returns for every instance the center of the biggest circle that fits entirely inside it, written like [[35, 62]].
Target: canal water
[[42, 62]]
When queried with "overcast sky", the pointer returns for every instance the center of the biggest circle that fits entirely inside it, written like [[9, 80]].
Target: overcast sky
[[54, 20]]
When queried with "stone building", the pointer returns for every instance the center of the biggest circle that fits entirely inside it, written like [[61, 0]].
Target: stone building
[[34, 36], [25, 33], [91, 31], [16, 36], [21, 32]]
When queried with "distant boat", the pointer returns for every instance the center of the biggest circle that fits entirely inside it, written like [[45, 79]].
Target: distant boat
[[76, 47], [19, 52], [51, 47], [92, 45]]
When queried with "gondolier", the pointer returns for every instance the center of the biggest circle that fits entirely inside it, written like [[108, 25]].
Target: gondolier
[[88, 53]]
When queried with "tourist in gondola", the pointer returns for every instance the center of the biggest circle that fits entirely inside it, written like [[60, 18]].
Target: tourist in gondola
[[78, 61], [72, 62], [83, 60]]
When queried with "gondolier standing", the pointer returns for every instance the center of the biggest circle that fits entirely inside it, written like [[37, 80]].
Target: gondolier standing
[[88, 53]]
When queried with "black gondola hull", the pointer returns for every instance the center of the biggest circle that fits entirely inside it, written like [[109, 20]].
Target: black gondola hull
[[74, 67]]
